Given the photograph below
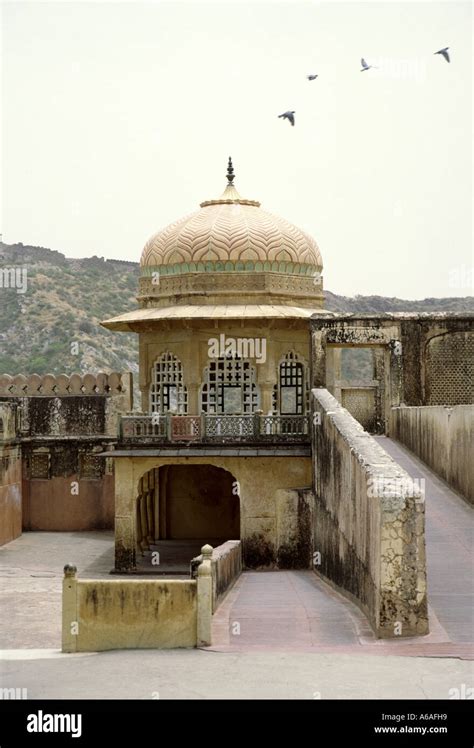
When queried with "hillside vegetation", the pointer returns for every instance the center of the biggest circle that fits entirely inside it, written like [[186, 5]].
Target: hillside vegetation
[[54, 326]]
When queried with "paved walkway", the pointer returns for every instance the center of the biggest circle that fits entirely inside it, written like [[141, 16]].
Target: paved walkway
[[31, 573], [295, 610], [449, 547], [200, 674]]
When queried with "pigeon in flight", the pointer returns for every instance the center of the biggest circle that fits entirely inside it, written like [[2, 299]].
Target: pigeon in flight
[[443, 52], [311, 77], [365, 66], [289, 116]]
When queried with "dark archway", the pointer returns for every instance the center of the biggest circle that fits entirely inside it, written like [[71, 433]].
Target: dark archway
[[182, 507], [200, 503]]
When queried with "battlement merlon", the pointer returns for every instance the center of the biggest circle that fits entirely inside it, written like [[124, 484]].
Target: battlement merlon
[[64, 385]]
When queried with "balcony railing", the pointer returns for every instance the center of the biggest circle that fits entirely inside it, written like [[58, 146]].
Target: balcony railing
[[257, 428]]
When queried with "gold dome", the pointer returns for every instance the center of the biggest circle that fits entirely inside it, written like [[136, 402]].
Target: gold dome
[[231, 233]]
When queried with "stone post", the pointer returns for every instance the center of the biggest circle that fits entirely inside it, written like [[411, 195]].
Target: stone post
[[70, 625], [266, 389], [204, 598], [333, 371], [169, 426], [193, 399], [318, 360], [257, 422]]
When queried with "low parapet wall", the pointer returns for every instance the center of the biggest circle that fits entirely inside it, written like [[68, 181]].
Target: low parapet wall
[[102, 614], [226, 567], [442, 436], [368, 523]]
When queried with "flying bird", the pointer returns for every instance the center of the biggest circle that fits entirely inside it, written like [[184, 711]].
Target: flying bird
[[311, 77], [365, 66], [289, 116], [443, 52]]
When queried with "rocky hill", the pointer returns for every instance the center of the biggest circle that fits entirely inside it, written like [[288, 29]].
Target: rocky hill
[[54, 326]]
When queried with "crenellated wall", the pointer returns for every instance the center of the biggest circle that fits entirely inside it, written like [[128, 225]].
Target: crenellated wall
[[55, 427], [62, 385]]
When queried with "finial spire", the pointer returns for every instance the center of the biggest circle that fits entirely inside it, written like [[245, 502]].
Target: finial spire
[[230, 172]]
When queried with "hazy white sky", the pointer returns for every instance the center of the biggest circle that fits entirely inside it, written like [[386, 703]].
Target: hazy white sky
[[118, 118]]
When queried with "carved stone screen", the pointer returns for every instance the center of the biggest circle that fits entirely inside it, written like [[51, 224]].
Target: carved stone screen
[[361, 404], [450, 369]]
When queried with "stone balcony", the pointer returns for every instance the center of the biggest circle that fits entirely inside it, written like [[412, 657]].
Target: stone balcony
[[154, 430]]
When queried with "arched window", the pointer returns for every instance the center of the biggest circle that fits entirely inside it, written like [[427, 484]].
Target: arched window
[[229, 387], [167, 391], [291, 395]]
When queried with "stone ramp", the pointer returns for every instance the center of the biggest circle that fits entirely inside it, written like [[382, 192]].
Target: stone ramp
[[285, 610], [297, 610], [449, 528]]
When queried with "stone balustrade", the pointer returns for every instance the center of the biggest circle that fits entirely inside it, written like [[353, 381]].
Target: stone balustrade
[[150, 428]]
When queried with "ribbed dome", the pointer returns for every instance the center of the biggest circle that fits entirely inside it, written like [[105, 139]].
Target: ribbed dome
[[232, 231]]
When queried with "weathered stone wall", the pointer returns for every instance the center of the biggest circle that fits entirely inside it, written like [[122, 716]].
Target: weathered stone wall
[[441, 436], [10, 493], [367, 400], [10, 475], [368, 523], [55, 505], [62, 423], [128, 614], [294, 528], [438, 359], [420, 359]]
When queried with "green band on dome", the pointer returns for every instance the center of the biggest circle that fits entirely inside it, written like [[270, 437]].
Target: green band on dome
[[285, 268]]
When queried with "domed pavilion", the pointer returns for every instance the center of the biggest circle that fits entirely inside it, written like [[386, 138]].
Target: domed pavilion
[[225, 295]]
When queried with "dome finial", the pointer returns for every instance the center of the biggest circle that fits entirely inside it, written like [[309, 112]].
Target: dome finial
[[230, 172]]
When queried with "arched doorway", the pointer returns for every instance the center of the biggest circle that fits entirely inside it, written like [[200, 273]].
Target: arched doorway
[[182, 507]]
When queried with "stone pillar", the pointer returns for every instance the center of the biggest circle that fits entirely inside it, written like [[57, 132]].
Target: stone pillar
[[333, 369], [163, 473], [193, 399], [318, 360], [143, 382], [70, 626], [204, 598], [156, 505], [382, 394], [125, 515], [150, 516], [138, 525], [331, 365], [143, 522], [266, 388]]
